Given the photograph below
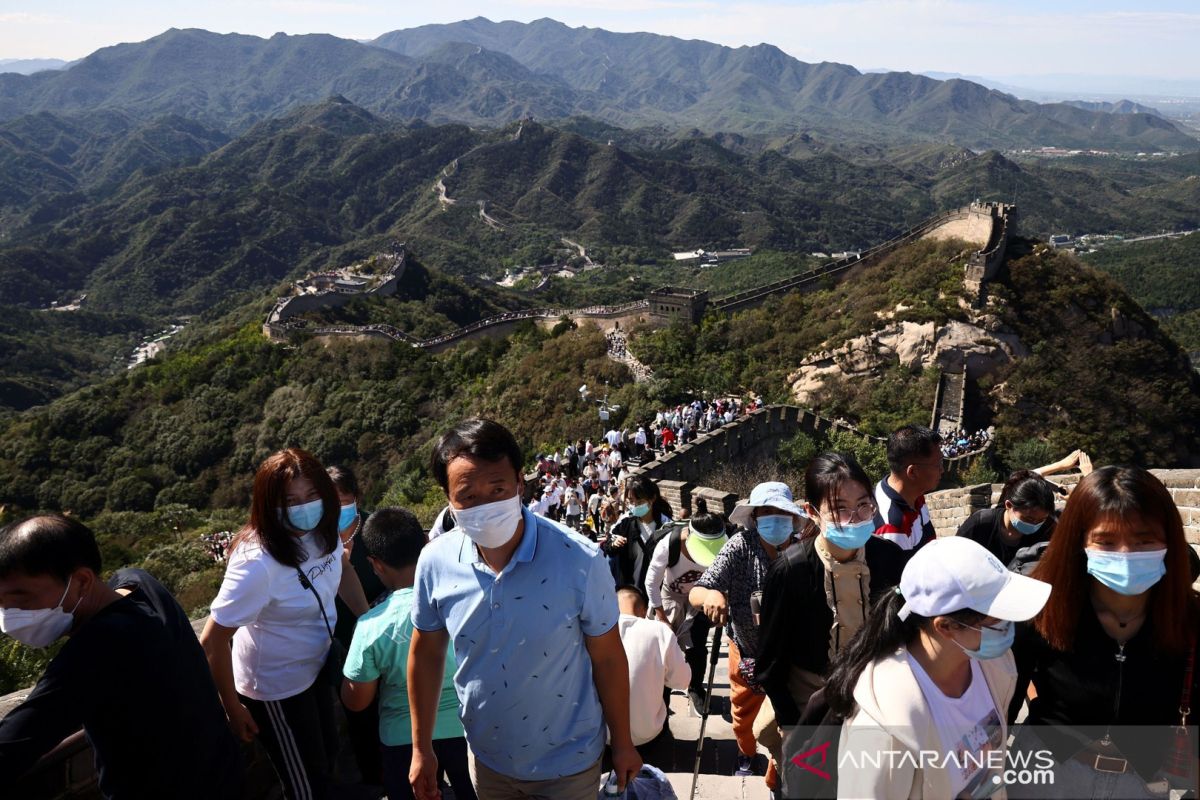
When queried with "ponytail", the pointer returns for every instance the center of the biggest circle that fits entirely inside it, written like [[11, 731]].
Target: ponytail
[[882, 634], [704, 522]]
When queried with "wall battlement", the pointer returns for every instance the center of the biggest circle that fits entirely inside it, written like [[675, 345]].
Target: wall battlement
[[985, 224]]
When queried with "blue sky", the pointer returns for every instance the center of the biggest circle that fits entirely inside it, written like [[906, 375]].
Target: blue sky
[[1011, 38]]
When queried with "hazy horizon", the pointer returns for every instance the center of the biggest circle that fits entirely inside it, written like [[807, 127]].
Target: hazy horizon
[[1079, 45]]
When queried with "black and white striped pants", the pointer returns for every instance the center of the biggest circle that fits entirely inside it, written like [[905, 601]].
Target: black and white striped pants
[[300, 737]]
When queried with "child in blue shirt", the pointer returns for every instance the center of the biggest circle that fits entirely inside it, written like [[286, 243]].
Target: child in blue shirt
[[377, 662]]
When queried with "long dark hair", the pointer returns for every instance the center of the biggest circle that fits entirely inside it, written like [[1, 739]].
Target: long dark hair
[[882, 634], [266, 527], [1026, 490], [643, 488], [1117, 492]]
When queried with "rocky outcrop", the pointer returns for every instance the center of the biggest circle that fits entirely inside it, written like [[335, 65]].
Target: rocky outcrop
[[978, 347]]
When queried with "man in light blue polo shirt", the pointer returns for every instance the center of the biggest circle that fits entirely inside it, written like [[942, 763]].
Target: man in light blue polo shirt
[[532, 612]]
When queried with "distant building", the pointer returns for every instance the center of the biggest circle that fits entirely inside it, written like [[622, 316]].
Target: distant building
[[713, 256], [1061, 240]]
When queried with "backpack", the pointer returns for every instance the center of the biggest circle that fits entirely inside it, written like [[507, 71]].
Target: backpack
[[1027, 558], [674, 545]]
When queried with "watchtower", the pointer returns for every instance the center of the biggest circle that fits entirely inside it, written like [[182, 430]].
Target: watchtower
[[671, 302]]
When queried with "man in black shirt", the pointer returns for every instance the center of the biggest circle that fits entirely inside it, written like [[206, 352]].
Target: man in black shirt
[[132, 673]]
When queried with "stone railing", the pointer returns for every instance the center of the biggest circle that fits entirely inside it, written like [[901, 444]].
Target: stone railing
[[813, 278], [754, 435]]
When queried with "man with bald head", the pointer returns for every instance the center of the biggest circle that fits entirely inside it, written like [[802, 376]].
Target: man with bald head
[[131, 673]]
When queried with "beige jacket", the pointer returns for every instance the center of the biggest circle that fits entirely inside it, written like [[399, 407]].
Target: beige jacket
[[891, 714]]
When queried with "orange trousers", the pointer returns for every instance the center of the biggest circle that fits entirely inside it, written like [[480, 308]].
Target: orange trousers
[[744, 705]]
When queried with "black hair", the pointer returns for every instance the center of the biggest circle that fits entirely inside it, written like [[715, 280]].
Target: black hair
[[646, 489], [828, 473], [881, 634], [343, 478], [629, 588], [1027, 489], [909, 443], [48, 545], [394, 536], [706, 523], [478, 438]]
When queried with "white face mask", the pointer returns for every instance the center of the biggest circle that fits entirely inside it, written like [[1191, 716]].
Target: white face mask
[[39, 627], [491, 524]]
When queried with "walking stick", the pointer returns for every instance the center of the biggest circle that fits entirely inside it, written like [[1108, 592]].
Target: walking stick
[[713, 657]]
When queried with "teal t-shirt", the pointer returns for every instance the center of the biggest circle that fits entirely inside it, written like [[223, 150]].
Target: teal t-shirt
[[379, 651]]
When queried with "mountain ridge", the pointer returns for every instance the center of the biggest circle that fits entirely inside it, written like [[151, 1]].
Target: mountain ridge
[[548, 70]]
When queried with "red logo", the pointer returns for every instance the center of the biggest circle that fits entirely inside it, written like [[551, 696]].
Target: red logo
[[800, 758]]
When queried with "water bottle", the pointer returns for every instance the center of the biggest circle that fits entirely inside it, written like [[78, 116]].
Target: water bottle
[[610, 785]]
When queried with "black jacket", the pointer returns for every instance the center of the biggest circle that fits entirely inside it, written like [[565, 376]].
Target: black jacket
[[1082, 692], [626, 556], [796, 617]]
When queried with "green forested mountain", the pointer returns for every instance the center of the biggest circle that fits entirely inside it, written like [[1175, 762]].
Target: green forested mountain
[[325, 183], [483, 73], [638, 78], [1164, 276], [191, 426], [44, 156], [1100, 374]]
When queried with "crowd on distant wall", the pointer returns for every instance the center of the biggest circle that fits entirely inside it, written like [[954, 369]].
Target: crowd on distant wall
[[960, 443]]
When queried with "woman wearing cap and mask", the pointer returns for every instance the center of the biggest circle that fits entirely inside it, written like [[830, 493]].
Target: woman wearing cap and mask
[[819, 592], [276, 608], [769, 520], [931, 671], [1112, 655], [682, 555]]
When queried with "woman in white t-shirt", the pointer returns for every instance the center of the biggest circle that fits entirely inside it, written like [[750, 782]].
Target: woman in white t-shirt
[[268, 636], [679, 559], [925, 684]]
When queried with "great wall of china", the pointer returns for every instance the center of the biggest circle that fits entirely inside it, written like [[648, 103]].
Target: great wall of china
[[986, 225]]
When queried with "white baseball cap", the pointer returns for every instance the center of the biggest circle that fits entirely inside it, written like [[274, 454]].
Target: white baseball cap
[[954, 573], [772, 493]]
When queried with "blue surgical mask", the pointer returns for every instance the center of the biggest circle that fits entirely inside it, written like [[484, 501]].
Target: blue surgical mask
[[640, 510], [1127, 573], [1022, 527], [850, 536], [348, 514], [775, 529], [306, 516], [992, 643]]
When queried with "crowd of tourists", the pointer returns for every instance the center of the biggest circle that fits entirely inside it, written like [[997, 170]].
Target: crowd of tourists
[[960, 443], [502, 654]]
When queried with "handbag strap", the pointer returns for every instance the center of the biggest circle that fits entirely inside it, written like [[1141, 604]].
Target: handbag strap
[[307, 584], [1185, 698]]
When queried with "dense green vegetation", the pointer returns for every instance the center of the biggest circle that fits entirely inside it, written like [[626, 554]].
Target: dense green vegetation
[[330, 184], [1164, 277], [44, 354], [1101, 374], [756, 350]]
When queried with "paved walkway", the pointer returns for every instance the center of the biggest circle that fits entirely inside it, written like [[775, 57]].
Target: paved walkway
[[719, 756]]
